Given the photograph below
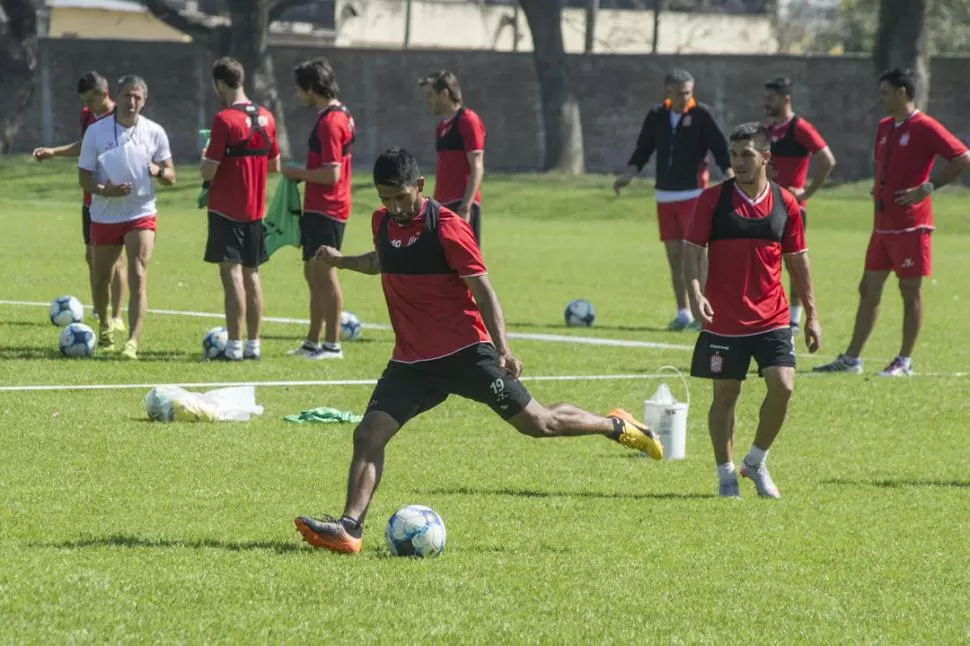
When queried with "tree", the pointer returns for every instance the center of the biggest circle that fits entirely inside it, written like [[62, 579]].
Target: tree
[[245, 38], [18, 61], [560, 108], [901, 42]]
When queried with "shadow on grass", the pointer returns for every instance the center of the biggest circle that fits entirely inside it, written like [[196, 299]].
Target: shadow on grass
[[899, 484], [25, 323], [298, 338], [536, 493], [30, 352], [121, 540]]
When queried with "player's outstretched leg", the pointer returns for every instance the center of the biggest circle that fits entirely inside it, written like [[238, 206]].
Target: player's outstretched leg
[[563, 420], [345, 534]]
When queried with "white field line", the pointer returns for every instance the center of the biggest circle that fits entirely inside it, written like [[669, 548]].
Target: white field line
[[525, 336], [283, 384], [371, 382]]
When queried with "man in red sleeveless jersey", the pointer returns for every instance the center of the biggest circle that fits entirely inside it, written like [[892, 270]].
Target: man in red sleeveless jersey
[[326, 201], [92, 88], [242, 150], [794, 144], [460, 142], [748, 225], [449, 340]]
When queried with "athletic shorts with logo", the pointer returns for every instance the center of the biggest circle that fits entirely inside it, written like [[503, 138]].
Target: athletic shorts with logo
[[232, 241], [406, 390], [908, 253], [729, 357], [318, 230]]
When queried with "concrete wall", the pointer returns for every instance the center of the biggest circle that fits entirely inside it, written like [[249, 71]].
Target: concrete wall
[[467, 25], [136, 24], [837, 94]]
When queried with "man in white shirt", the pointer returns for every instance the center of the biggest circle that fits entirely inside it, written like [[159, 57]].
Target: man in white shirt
[[119, 157]]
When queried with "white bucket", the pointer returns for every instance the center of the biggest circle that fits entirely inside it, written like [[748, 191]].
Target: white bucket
[[669, 421]]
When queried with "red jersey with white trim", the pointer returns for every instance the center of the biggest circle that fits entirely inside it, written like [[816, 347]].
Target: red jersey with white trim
[[87, 118], [455, 138], [793, 143], [238, 190], [423, 262], [904, 155], [329, 145], [746, 239]]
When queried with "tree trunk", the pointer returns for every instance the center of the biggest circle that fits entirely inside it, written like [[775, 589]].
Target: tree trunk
[[18, 61], [658, 7], [901, 42], [592, 9], [560, 109], [248, 43]]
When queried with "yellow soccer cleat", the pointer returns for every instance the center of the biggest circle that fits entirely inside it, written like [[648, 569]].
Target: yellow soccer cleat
[[106, 339], [636, 435], [130, 351], [118, 325]]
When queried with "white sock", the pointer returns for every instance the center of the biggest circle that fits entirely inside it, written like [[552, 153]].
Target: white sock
[[906, 361], [726, 472], [795, 313], [756, 457], [684, 314], [234, 349], [252, 346], [334, 347]]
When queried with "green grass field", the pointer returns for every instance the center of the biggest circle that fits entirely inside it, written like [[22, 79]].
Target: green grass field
[[114, 529]]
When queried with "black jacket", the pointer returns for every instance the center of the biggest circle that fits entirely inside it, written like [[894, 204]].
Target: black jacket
[[682, 152]]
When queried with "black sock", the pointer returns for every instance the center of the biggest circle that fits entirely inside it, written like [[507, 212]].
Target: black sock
[[618, 426], [353, 527]]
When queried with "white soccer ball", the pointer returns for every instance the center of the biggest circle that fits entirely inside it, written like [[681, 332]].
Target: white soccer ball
[[78, 340], [349, 326], [214, 342], [417, 531], [66, 310], [580, 313]]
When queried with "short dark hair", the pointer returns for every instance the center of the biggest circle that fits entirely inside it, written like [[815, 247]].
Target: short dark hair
[[396, 167], [780, 85], [678, 76], [135, 80], [443, 80], [754, 132], [899, 77], [92, 81], [317, 75], [229, 71]]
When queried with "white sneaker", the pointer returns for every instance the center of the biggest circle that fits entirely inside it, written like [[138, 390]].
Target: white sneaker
[[325, 353], [897, 369], [729, 489], [842, 363], [306, 349], [761, 478]]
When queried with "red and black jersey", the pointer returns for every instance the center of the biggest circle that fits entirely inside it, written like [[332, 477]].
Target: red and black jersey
[[746, 238], [904, 156], [242, 140], [455, 138], [681, 147], [792, 145], [87, 118], [330, 145], [423, 262]]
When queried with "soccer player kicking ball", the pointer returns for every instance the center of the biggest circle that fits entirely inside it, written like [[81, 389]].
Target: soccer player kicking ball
[[748, 225], [907, 144], [449, 339]]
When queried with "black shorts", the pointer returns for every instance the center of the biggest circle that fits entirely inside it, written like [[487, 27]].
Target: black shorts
[[317, 230], [406, 390], [238, 242], [475, 218], [729, 357], [86, 224]]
